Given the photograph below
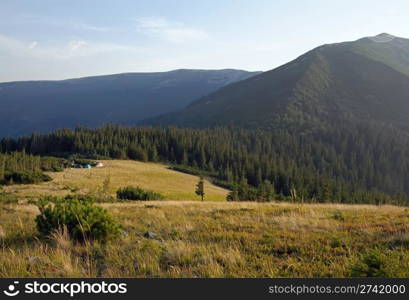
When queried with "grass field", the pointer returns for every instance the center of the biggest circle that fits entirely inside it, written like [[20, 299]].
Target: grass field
[[217, 239], [202, 239], [173, 185]]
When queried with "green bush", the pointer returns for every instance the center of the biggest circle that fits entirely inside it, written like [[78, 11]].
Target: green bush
[[338, 215], [136, 193], [82, 218], [24, 178], [379, 263], [94, 198]]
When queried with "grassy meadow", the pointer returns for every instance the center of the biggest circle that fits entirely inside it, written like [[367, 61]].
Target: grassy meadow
[[216, 239], [190, 238], [120, 173]]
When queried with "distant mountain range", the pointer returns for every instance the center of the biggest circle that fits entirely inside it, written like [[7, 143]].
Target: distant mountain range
[[42, 106], [342, 111], [361, 81]]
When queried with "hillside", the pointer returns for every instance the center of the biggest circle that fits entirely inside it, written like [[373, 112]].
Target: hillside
[[120, 173], [42, 106], [347, 164], [217, 239], [361, 81], [342, 111]]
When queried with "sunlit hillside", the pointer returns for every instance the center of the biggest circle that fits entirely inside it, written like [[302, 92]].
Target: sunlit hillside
[[120, 173]]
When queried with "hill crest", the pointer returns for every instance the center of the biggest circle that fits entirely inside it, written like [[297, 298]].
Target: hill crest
[[358, 81]]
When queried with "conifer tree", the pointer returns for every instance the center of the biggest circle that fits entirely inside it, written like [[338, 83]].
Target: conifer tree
[[200, 188]]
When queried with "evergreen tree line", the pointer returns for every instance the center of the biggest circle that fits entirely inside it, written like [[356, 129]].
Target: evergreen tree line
[[351, 164], [19, 167]]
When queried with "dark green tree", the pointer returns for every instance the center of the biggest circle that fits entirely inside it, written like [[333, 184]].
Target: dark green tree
[[200, 188]]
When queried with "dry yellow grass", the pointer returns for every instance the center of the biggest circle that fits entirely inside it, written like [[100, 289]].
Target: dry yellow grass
[[215, 239], [157, 177], [202, 239]]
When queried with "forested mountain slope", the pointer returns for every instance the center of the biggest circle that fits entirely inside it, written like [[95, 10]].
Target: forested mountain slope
[[362, 81], [349, 164]]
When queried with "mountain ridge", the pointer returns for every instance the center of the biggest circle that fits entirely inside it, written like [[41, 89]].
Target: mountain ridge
[[126, 98], [362, 80]]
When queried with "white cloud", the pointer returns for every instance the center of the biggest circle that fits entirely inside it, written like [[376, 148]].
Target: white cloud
[[33, 45], [170, 31], [61, 23], [92, 27], [76, 45], [65, 50], [7, 43]]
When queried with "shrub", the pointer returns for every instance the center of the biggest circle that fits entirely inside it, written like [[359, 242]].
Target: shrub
[[379, 263], [82, 218], [136, 193], [338, 215], [94, 198], [24, 178]]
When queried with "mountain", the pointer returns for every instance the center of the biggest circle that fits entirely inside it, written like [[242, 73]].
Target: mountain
[[42, 106], [361, 81]]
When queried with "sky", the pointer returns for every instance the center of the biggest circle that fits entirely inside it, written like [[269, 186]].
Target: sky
[[59, 39]]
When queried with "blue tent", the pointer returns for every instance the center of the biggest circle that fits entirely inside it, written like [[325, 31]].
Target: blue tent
[[87, 166]]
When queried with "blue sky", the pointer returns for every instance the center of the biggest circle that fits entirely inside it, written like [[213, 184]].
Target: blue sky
[[57, 39]]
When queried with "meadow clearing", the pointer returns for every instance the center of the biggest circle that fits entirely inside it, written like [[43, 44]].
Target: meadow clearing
[[203, 239], [120, 173]]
